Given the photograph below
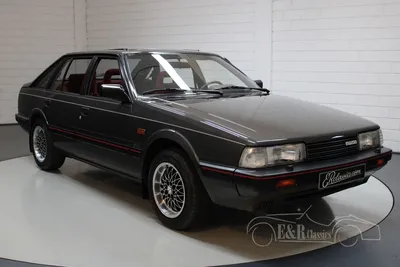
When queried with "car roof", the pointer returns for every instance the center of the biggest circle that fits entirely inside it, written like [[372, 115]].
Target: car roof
[[116, 51]]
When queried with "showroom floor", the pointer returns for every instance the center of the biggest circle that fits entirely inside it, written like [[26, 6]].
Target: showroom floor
[[65, 218]]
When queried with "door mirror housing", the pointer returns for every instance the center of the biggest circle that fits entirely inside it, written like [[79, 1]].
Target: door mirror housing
[[114, 91], [259, 83]]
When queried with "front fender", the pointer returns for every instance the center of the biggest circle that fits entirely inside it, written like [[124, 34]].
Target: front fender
[[37, 113], [176, 137]]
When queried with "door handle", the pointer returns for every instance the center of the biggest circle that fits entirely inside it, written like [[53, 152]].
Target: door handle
[[84, 112], [47, 103]]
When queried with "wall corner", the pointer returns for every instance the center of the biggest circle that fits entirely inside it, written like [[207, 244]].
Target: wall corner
[[80, 25], [263, 41]]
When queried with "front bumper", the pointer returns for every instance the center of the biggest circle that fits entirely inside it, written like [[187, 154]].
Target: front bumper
[[251, 190]]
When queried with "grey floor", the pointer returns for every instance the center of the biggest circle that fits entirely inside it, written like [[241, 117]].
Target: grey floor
[[14, 143], [385, 253]]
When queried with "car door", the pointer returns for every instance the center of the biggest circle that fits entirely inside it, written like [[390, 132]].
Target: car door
[[62, 106], [108, 128]]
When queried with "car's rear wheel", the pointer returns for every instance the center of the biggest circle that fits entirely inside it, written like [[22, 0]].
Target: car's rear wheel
[[46, 156], [176, 192]]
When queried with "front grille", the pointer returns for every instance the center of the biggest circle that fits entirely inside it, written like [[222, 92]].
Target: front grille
[[331, 149]]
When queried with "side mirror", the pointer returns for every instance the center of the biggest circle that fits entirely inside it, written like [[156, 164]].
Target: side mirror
[[259, 83], [114, 91]]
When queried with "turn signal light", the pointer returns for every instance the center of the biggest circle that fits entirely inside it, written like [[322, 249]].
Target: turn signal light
[[141, 131], [286, 183], [380, 162]]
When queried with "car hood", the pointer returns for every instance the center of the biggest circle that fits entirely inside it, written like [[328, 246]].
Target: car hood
[[275, 118]]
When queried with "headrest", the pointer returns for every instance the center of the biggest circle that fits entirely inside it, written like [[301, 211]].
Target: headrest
[[109, 73]]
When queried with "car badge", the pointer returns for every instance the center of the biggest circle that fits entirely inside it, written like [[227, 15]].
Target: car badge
[[350, 143]]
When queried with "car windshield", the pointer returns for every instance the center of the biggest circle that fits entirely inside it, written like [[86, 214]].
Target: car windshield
[[158, 72]]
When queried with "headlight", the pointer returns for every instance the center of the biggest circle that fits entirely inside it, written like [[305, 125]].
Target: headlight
[[370, 140], [259, 157]]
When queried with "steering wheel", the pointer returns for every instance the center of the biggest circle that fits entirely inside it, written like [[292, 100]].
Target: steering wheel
[[209, 83]]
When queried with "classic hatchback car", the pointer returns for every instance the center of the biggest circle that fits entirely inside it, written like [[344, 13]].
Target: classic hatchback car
[[194, 131]]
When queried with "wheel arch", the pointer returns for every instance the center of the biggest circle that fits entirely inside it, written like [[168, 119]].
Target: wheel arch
[[35, 114], [163, 139]]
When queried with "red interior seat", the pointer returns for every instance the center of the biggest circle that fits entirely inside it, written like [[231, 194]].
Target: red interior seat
[[160, 81], [109, 74], [94, 87]]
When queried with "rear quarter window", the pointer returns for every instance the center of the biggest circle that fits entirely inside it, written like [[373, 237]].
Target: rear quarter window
[[45, 79]]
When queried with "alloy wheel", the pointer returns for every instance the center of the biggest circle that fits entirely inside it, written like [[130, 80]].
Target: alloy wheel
[[168, 190], [39, 143]]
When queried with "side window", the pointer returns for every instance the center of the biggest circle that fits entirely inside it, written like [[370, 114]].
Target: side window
[[45, 80], [106, 72], [58, 80], [73, 79]]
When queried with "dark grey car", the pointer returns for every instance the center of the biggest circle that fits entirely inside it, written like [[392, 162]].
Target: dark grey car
[[194, 131]]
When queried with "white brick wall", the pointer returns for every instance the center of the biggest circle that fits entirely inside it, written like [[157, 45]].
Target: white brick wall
[[239, 30], [34, 34], [341, 53]]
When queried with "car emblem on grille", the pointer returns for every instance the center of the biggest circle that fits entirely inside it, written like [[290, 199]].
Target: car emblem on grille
[[350, 143]]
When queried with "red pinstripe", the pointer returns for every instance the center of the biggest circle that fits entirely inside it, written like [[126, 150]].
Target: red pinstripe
[[94, 139]]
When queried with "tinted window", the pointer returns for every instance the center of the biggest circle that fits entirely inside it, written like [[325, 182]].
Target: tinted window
[[45, 80], [106, 72], [57, 83], [72, 81]]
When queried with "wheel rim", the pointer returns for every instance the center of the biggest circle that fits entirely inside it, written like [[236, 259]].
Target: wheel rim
[[168, 190], [39, 144]]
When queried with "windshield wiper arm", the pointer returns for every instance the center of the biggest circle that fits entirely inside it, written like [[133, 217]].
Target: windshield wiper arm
[[244, 87], [179, 90], [265, 90], [216, 92], [164, 90]]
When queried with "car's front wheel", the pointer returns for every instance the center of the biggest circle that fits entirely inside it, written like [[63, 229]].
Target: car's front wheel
[[46, 156], [176, 192]]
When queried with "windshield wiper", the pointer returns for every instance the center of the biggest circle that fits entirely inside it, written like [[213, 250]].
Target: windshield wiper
[[216, 92], [164, 90], [244, 87], [264, 90], [179, 90]]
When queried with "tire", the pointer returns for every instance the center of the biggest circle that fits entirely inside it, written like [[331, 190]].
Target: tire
[[191, 205], [47, 157]]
